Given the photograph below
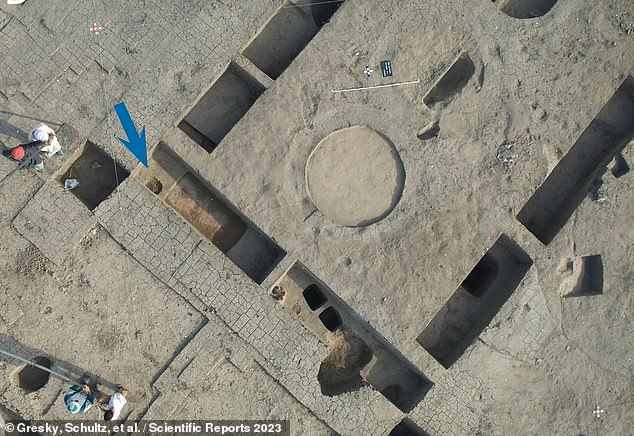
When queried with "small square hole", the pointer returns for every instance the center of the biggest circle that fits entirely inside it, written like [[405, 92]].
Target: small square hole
[[330, 319], [98, 175], [314, 297]]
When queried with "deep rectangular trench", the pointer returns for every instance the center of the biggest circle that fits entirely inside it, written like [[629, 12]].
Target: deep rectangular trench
[[97, 172], [388, 371], [202, 206], [550, 207], [286, 34], [468, 311], [223, 105]]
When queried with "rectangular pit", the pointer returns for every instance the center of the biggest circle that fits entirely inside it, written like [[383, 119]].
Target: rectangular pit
[[219, 110], [206, 212], [286, 34], [469, 310], [321, 311], [550, 207], [172, 180], [583, 276], [98, 174]]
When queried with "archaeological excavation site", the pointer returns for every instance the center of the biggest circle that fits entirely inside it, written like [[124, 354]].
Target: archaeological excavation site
[[356, 218]]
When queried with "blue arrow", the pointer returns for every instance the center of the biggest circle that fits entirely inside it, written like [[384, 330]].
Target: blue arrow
[[135, 143]]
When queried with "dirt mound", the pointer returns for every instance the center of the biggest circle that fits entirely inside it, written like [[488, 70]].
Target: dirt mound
[[339, 372]]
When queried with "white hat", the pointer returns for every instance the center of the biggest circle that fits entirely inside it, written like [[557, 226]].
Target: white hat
[[73, 406], [40, 135]]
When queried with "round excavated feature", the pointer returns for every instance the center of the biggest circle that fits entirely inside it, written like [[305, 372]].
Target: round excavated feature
[[355, 176], [31, 378], [526, 8]]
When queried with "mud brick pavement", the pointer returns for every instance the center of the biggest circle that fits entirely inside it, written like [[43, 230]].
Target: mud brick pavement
[[528, 323], [176, 254], [9, 310], [54, 221], [215, 360], [157, 57], [17, 190], [448, 409]]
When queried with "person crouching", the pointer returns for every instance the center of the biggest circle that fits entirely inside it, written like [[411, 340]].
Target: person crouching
[[27, 156]]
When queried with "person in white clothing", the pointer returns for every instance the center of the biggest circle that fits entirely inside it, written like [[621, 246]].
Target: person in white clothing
[[113, 404], [46, 135]]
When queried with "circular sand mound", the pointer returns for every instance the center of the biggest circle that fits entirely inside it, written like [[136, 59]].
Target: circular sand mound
[[355, 176]]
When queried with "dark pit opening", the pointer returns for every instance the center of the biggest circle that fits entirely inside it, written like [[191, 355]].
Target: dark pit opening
[[154, 185], [278, 293], [314, 297], [481, 276], [526, 8], [590, 277], [219, 110], [98, 175], [407, 427], [330, 319], [554, 202], [452, 82], [31, 378], [393, 393], [322, 11], [461, 320], [396, 378], [207, 144], [619, 166], [284, 37]]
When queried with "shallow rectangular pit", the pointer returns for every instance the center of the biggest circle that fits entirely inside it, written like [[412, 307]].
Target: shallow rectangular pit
[[219, 110], [203, 210], [467, 313], [280, 41], [98, 175], [550, 207], [172, 180], [584, 276], [388, 371]]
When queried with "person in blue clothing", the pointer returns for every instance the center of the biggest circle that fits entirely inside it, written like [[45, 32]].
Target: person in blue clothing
[[79, 399]]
